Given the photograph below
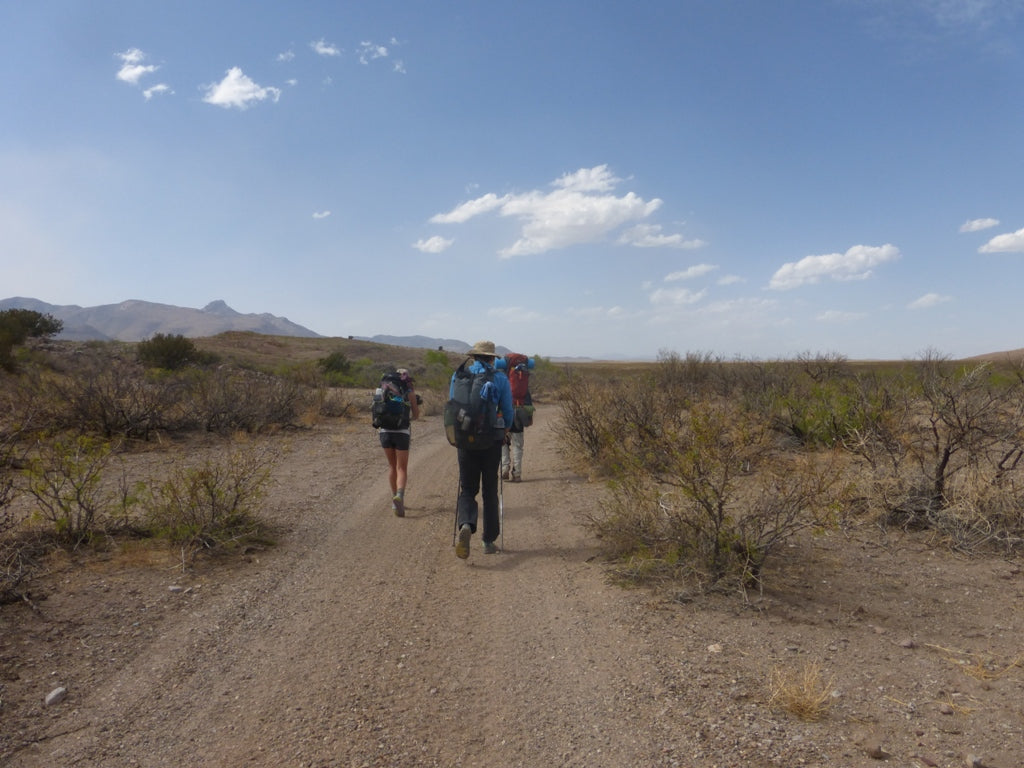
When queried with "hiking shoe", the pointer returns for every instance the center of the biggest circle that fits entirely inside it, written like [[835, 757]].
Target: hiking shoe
[[398, 505], [504, 475], [462, 545], [490, 548], [517, 478]]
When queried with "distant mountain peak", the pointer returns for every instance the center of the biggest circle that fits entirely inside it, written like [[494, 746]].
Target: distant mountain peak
[[219, 307]]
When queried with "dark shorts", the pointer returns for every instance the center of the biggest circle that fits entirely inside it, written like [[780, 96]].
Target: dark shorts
[[397, 440]]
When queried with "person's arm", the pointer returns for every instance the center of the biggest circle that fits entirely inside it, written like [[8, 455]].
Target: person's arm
[[414, 401], [508, 411]]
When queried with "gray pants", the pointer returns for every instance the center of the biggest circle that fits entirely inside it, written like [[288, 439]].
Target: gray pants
[[512, 456]]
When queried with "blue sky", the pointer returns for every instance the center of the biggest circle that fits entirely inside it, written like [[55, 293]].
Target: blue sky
[[742, 177]]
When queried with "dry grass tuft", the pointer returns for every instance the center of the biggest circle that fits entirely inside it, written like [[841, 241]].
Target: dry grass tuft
[[801, 692]]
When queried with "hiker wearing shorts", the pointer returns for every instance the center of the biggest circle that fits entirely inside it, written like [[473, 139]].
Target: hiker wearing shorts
[[396, 443], [478, 468]]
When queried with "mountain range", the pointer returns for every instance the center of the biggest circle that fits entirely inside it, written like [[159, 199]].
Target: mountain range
[[139, 320]]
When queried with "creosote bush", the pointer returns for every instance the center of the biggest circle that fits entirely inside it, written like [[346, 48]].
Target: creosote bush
[[65, 478], [713, 466], [213, 504]]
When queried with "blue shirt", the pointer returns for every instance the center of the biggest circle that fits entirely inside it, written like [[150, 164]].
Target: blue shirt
[[501, 383]]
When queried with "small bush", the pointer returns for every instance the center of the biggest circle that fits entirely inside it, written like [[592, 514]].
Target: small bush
[[170, 352], [65, 479], [211, 505]]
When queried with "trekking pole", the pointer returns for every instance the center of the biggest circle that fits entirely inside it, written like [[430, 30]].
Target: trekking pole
[[455, 527], [501, 510]]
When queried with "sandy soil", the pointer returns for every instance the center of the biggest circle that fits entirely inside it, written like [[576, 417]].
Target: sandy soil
[[361, 640]]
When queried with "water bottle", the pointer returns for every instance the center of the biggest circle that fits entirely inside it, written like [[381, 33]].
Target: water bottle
[[378, 395]]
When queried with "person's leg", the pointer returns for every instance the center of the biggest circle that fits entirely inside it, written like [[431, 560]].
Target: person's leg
[[469, 486], [489, 466], [392, 456], [518, 440], [506, 461]]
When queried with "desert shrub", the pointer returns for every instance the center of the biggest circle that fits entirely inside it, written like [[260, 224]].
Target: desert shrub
[[213, 504], [225, 401], [586, 427], [17, 325], [942, 451], [336, 362], [710, 498], [170, 352], [113, 399], [65, 478]]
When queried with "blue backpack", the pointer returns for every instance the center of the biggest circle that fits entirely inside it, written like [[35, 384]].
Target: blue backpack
[[471, 415]]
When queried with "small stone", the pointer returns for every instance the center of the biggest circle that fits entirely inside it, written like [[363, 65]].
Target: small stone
[[56, 696], [176, 588], [907, 643], [946, 709], [715, 648]]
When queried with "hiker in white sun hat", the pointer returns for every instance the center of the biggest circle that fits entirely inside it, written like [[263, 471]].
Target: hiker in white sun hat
[[478, 466]]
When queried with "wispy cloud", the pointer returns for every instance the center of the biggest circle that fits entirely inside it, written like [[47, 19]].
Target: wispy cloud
[[582, 208], [977, 225], [839, 316], [286, 56], [676, 296], [156, 90], [856, 264], [1012, 242], [435, 244], [132, 69], [650, 236], [321, 214], [239, 91], [369, 51], [929, 300], [697, 270], [324, 48]]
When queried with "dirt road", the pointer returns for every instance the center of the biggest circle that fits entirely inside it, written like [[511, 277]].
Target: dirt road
[[361, 640]]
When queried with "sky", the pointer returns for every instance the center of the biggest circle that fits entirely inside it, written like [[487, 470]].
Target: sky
[[741, 178]]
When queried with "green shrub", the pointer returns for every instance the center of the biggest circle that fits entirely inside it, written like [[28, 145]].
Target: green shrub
[[170, 352], [65, 479], [211, 505]]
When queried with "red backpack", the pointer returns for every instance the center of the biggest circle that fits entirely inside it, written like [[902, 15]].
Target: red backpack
[[517, 369]]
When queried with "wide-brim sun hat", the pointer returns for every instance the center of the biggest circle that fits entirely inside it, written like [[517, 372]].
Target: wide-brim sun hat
[[483, 349]]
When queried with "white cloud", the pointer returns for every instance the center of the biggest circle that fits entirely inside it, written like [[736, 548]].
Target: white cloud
[[1012, 242], [581, 209], [435, 244], [399, 67], [729, 279], [324, 48], [369, 51], [676, 296], [838, 316], [929, 300], [237, 90], [156, 90], [286, 56], [649, 236], [132, 69], [697, 270], [976, 225], [855, 264], [465, 211], [321, 214]]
